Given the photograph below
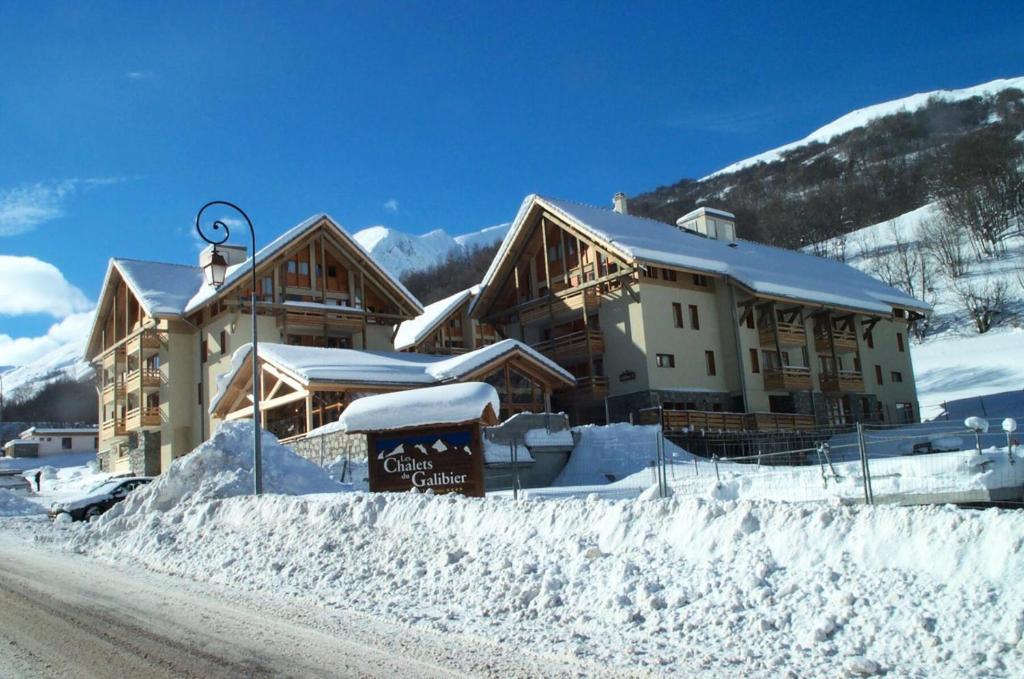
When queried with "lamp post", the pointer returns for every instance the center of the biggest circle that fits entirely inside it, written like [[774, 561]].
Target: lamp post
[[214, 271]]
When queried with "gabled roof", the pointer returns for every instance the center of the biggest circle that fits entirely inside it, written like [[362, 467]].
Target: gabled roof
[[411, 333], [443, 404], [762, 269], [236, 272], [176, 290], [309, 365]]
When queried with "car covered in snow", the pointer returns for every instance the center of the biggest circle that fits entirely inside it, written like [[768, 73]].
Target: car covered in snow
[[99, 498]]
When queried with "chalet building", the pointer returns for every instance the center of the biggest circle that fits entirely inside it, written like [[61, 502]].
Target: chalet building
[[161, 337], [717, 331], [445, 327], [305, 388]]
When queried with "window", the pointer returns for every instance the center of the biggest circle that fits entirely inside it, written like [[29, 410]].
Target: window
[[870, 337], [65, 443], [677, 313], [650, 272], [899, 342], [293, 266], [896, 376], [332, 271], [223, 342], [202, 350], [199, 392], [668, 275], [856, 363], [905, 412], [878, 374], [694, 317], [303, 268], [709, 356], [750, 320], [665, 360], [755, 365], [700, 280]]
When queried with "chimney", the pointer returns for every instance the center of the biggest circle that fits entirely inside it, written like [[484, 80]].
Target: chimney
[[620, 204]]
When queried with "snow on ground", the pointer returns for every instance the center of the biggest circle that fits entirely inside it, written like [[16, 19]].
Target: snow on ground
[[609, 453], [15, 504], [682, 586], [64, 477]]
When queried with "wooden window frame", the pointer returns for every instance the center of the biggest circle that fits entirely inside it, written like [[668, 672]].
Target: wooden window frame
[[709, 359]]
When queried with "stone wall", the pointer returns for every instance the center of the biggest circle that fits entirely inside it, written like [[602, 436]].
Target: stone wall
[[144, 453], [324, 449]]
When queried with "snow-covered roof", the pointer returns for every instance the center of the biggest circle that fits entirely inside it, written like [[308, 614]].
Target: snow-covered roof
[[714, 212], [411, 333], [205, 293], [46, 431], [764, 269], [162, 289], [444, 404], [351, 366]]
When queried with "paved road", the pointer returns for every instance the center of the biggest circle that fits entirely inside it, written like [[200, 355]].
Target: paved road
[[69, 616]]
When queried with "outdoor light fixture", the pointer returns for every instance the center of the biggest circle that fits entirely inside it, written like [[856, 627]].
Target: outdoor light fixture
[[215, 269], [1009, 426], [979, 426]]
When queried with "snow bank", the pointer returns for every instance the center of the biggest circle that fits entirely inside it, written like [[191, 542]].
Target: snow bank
[[220, 468], [609, 453], [445, 404], [682, 586], [12, 504]]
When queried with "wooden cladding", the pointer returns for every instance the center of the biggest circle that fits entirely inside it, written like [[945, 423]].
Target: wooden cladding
[[676, 420], [842, 381], [560, 306], [790, 335], [787, 378], [573, 345]]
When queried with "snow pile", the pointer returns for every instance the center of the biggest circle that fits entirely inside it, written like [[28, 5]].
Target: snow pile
[[445, 404], [684, 586], [12, 504], [610, 453], [220, 468]]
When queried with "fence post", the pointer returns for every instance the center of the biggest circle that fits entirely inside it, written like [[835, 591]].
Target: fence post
[[865, 468], [515, 471], [718, 476], [322, 438]]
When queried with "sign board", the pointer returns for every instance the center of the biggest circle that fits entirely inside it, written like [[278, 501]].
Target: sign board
[[441, 459]]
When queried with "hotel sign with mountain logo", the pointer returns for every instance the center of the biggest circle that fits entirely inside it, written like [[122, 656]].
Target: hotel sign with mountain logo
[[439, 459]]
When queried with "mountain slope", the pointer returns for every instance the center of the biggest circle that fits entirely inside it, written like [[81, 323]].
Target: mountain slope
[[402, 254], [866, 167], [63, 363]]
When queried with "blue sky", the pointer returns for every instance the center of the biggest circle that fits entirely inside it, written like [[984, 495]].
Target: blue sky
[[118, 120]]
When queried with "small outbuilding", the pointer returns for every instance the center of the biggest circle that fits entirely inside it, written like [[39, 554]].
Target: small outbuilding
[[425, 439]]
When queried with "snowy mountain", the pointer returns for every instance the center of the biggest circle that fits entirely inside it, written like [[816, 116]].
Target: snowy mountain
[[864, 116], [863, 168], [401, 253], [63, 363]]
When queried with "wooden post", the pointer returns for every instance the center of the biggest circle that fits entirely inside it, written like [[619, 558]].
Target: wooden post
[[309, 412], [544, 245]]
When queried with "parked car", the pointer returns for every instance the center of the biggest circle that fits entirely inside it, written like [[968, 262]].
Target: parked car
[[11, 479], [99, 499]]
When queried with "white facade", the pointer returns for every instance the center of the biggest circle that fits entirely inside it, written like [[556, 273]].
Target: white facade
[[62, 441]]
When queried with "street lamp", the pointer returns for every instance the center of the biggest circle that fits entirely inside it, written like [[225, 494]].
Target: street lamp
[[215, 268]]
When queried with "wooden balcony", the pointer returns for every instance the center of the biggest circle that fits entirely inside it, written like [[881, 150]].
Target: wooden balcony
[[560, 306], [572, 346], [788, 378], [148, 343], [846, 341], [147, 378], [843, 381], [591, 387], [677, 420], [113, 428], [142, 418], [112, 357], [790, 335], [113, 390]]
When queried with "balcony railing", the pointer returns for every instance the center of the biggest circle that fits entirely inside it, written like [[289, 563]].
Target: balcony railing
[[573, 345], [146, 377], [111, 357], [591, 387], [845, 340], [842, 381], [112, 388], [677, 420], [141, 418], [113, 428], [146, 342], [790, 335], [788, 378], [559, 306]]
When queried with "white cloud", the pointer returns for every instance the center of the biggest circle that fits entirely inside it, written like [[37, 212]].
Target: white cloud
[[391, 205], [21, 350], [25, 207], [140, 75], [32, 286]]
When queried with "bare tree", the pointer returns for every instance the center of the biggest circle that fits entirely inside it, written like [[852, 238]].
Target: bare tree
[[946, 244], [903, 265], [985, 302]]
